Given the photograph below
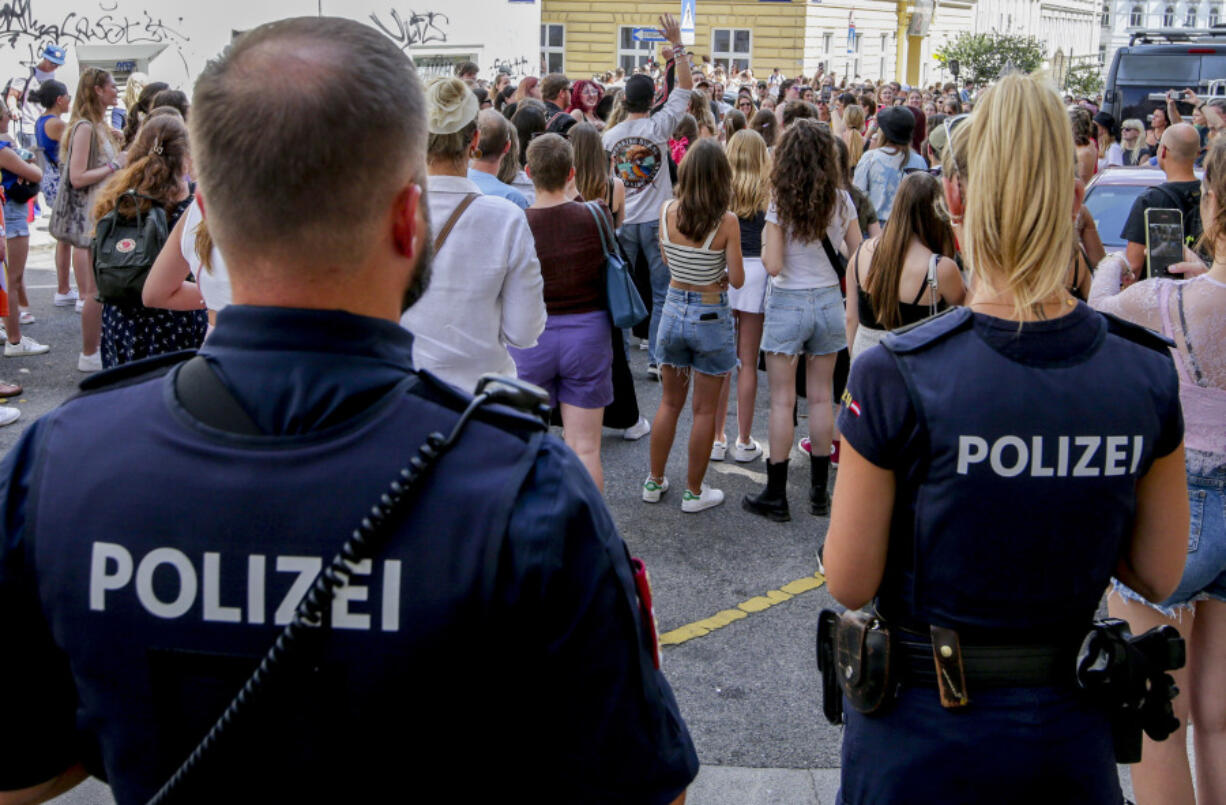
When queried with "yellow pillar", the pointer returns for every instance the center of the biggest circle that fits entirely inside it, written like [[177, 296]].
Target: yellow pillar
[[915, 49], [901, 55]]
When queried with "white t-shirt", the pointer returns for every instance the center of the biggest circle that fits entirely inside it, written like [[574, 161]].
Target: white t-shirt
[[214, 281], [32, 110], [640, 157], [1114, 157], [805, 265]]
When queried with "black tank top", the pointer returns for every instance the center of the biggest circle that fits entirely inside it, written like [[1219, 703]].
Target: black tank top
[[911, 313], [751, 234]]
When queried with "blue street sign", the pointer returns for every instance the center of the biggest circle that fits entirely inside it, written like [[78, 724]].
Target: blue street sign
[[689, 12], [648, 35]]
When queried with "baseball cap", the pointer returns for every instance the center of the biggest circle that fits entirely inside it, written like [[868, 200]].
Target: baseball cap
[[640, 90], [55, 54], [897, 123]]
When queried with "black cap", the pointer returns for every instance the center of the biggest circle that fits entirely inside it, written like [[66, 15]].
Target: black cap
[[1105, 120], [896, 123], [640, 90]]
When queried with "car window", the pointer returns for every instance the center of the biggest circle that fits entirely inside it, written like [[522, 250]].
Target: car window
[[1164, 69], [1109, 206]]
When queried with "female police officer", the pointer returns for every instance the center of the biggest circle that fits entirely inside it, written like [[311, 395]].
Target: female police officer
[[1001, 462]]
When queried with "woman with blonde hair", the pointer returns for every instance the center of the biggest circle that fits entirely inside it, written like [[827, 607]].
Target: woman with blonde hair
[[594, 177], [751, 196], [853, 132], [93, 156], [158, 172], [700, 108], [1189, 312], [971, 512]]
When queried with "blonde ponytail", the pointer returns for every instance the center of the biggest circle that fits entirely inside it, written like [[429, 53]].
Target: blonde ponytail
[[1018, 231]]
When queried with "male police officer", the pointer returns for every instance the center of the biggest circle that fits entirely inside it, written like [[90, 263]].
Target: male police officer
[[495, 648]]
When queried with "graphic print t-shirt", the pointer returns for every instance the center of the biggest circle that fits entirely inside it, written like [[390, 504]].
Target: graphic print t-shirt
[[640, 158]]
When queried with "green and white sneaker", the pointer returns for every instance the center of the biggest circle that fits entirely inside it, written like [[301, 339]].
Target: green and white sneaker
[[708, 498], [652, 489]]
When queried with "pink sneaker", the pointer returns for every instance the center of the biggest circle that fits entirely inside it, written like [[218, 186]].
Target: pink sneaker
[[805, 445]]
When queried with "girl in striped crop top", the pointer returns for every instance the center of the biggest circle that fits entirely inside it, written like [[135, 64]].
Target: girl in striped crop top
[[700, 241]]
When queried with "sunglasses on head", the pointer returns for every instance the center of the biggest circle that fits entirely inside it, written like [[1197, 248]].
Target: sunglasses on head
[[951, 123]]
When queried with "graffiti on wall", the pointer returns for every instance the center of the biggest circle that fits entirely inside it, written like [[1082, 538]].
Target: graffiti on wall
[[517, 66], [21, 27], [419, 28]]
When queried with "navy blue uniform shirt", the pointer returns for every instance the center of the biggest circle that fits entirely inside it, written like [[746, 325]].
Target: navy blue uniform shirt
[[1016, 450], [495, 649]]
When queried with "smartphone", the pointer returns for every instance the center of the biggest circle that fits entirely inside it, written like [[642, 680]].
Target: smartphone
[[826, 94], [1163, 241]]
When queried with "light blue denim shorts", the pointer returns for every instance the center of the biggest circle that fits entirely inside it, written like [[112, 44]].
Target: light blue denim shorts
[[1204, 573], [15, 224], [806, 321], [696, 332]]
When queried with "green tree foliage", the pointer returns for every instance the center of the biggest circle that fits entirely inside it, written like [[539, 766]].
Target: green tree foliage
[[982, 57], [1084, 80]]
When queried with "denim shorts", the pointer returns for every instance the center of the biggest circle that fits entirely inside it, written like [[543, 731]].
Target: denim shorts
[[696, 332], [15, 224], [1204, 573], [805, 320]]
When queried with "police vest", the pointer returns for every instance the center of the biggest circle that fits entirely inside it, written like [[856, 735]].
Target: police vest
[[1025, 496], [170, 554]]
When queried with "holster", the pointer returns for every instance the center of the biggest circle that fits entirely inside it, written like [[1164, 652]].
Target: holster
[[862, 650]]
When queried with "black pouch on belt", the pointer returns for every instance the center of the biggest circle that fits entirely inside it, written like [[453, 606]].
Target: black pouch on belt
[[832, 692], [864, 661]]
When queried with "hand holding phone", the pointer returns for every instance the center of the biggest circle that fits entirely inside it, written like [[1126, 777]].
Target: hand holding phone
[[1163, 241]]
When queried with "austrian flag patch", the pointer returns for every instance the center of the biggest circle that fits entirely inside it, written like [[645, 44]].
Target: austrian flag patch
[[851, 404]]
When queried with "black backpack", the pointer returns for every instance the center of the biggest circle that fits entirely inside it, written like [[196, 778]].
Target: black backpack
[[1192, 226], [125, 248]]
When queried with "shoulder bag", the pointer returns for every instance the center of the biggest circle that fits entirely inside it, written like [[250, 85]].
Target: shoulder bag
[[70, 217], [626, 307], [450, 223]]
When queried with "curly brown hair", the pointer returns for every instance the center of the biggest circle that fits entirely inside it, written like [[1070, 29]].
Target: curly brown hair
[[806, 180], [1215, 182], [156, 168]]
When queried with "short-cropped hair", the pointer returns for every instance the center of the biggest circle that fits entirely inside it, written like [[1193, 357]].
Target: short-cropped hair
[[495, 131], [550, 158], [552, 84], [276, 123]]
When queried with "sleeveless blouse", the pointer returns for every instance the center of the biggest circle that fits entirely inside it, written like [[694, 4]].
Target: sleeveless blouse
[[695, 265]]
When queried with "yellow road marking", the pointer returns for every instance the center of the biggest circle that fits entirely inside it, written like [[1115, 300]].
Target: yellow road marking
[[743, 610]]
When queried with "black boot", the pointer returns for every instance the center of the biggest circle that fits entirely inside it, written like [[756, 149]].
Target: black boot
[[819, 498], [771, 502]]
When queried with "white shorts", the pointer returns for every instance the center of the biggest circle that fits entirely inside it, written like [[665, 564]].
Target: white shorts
[[751, 296]]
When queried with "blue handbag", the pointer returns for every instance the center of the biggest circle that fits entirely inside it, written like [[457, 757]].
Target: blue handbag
[[626, 307]]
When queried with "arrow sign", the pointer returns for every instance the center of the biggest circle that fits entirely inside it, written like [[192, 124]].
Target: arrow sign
[[648, 35]]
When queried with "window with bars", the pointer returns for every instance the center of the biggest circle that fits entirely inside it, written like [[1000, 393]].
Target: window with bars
[[630, 53], [731, 48], [553, 48]]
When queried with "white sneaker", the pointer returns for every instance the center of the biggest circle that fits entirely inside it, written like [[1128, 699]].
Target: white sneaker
[[719, 449], [709, 498], [652, 489], [746, 452], [89, 363], [26, 346], [644, 345], [79, 305], [653, 372], [66, 299], [637, 431], [9, 415], [4, 333], [26, 317]]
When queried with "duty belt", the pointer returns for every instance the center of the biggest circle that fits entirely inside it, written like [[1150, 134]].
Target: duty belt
[[993, 666]]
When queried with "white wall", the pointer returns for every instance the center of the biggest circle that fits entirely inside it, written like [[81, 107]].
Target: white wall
[[490, 32]]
